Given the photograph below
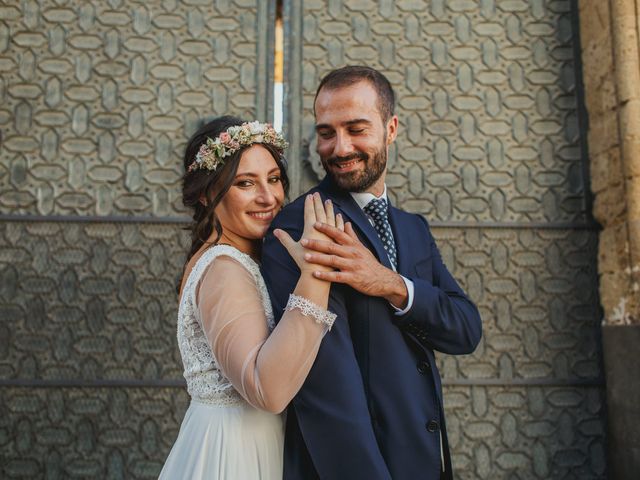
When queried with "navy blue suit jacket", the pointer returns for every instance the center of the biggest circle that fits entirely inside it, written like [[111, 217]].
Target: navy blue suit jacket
[[371, 407]]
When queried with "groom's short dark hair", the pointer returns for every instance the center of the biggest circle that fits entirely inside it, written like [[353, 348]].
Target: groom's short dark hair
[[351, 74]]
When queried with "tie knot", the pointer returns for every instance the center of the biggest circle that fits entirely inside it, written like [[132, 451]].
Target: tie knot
[[376, 208]]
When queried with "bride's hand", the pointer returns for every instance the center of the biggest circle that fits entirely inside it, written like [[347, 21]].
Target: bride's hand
[[314, 211]]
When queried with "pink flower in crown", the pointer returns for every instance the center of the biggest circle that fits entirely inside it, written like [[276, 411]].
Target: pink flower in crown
[[225, 137]]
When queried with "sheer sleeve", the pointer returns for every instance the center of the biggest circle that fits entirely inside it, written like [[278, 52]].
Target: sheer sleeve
[[266, 369]]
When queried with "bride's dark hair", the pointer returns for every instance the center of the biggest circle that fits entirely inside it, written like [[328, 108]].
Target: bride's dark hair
[[202, 189]]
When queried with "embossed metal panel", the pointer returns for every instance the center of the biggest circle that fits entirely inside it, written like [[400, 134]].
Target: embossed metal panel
[[96, 102], [88, 432], [98, 301], [486, 97], [538, 297], [95, 302], [110, 433], [526, 432], [89, 300], [97, 98]]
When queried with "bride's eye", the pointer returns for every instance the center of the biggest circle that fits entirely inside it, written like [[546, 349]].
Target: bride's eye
[[244, 183], [274, 179]]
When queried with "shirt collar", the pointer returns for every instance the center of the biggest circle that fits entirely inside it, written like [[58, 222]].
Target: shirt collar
[[362, 198]]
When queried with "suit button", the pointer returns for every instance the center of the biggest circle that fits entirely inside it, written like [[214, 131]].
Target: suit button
[[432, 426], [423, 367]]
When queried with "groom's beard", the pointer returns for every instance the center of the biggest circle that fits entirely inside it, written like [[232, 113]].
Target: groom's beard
[[358, 180]]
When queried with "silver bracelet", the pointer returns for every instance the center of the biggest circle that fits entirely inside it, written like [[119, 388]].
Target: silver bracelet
[[310, 309]]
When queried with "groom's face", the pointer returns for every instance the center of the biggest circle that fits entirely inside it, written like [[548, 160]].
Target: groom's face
[[353, 139]]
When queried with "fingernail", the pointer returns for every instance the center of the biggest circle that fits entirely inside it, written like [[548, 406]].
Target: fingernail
[[318, 224], [304, 242], [307, 256]]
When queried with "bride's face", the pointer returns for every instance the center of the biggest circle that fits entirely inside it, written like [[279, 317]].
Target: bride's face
[[255, 197]]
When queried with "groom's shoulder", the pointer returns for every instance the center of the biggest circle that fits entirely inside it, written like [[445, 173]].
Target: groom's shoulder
[[410, 218]]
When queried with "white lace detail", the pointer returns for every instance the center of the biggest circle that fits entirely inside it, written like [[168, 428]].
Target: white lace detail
[[205, 381], [310, 309]]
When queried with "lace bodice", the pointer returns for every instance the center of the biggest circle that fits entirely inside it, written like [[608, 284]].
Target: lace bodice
[[205, 380], [230, 348]]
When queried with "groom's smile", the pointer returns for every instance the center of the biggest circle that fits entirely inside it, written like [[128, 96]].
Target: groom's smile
[[346, 165], [343, 165]]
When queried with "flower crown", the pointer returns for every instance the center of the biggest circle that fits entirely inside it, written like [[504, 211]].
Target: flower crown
[[213, 152]]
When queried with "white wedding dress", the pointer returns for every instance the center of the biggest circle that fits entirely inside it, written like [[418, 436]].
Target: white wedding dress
[[237, 371]]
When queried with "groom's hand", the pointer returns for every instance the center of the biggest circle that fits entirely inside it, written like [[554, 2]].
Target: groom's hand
[[354, 265]]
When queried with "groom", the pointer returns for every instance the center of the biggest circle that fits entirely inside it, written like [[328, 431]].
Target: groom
[[371, 407]]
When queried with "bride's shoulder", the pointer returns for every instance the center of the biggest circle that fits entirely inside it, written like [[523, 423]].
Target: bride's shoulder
[[220, 259], [223, 254]]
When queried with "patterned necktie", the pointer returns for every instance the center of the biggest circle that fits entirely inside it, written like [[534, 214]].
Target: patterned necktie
[[377, 210]]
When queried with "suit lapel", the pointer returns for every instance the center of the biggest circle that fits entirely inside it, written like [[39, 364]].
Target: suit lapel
[[353, 213]]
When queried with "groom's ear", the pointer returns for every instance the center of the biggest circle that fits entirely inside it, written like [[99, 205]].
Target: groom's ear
[[392, 129]]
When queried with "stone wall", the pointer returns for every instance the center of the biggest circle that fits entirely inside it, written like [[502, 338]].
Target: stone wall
[[611, 69], [611, 66]]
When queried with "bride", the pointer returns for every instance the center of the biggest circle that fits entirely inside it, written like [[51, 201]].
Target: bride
[[241, 369]]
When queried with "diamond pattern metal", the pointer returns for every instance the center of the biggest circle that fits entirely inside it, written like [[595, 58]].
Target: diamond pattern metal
[[98, 99], [88, 432], [90, 301], [97, 301], [486, 102]]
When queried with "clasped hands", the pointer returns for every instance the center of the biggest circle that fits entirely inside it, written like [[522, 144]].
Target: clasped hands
[[331, 251]]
